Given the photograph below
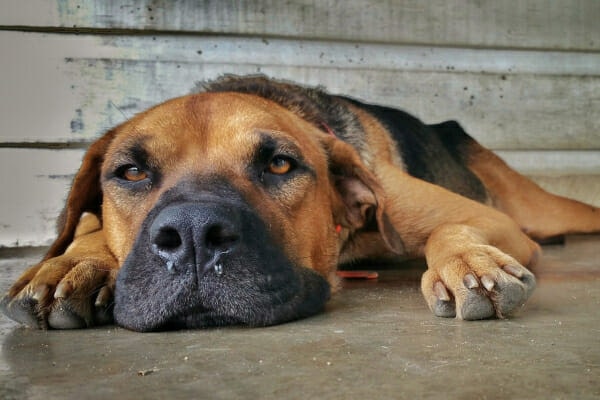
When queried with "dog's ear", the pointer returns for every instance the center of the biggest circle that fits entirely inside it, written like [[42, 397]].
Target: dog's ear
[[85, 195], [361, 194]]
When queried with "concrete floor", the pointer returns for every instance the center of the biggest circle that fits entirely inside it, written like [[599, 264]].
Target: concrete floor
[[376, 340]]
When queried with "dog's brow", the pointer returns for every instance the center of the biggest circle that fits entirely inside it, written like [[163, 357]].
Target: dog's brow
[[274, 142], [134, 151]]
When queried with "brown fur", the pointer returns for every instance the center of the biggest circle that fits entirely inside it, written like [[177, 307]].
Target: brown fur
[[475, 254]]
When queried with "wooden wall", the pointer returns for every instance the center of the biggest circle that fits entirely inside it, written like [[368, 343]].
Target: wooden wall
[[523, 77]]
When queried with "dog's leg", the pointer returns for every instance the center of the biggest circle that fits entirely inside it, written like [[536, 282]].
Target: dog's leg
[[540, 214], [73, 290], [476, 255]]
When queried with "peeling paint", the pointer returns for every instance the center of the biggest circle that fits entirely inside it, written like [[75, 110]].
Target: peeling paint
[[77, 125]]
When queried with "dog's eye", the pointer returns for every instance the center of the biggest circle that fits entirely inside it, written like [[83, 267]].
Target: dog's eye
[[280, 165], [132, 173]]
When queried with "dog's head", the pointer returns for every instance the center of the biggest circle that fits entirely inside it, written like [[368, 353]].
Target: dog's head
[[223, 208]]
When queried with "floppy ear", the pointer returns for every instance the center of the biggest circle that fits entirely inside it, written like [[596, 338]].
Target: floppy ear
[[85, 195], [361, 194]]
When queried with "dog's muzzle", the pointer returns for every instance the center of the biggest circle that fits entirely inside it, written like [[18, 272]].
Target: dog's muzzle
[[209, 260]]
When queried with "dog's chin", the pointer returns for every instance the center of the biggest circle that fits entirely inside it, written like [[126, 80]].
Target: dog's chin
[[150, 298], [303, 296]]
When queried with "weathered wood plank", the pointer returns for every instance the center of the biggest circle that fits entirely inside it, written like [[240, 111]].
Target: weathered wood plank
[[553, 163], [35, 184], [488, 23], [584, 188], [72, 88]]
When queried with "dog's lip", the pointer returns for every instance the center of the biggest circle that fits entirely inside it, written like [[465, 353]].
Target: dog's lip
[[183, 317], [190, 317]]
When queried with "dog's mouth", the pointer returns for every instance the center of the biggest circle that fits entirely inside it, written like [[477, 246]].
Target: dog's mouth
[[211, 262], [301, 296]]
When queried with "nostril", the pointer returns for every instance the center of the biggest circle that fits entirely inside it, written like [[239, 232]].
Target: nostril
[[167, 239], [219, 238]]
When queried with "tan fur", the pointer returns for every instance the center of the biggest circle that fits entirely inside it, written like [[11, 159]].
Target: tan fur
[[215, 134], [539, 213]]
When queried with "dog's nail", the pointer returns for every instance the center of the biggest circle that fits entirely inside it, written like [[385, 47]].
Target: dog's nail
[[470, 281], [487, 282], [63, 290], [104, 297], [513, 270], [440, 291], [40, 292]]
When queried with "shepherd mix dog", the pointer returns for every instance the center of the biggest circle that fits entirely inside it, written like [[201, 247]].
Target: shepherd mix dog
[[237, 204]]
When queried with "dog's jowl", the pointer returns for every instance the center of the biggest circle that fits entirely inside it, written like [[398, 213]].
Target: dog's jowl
[[235, 205]]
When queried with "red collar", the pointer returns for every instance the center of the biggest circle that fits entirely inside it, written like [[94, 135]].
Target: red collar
[[328, 129]]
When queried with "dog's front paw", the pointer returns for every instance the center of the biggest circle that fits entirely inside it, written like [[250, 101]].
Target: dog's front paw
[[478, 283], [63, 292]]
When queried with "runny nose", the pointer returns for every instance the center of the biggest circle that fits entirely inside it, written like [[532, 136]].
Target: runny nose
[[194, 235]]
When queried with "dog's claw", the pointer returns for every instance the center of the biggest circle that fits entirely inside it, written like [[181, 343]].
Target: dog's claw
[[444, 306], [40, 292], [470, 281], [105, 295], [513, 270], [63, 290], [441, 292], [488, 282]]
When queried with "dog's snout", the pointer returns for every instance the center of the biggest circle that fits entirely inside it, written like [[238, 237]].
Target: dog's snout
[[194, 234]]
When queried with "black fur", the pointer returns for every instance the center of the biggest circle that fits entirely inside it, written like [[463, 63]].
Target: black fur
[[435, 153]]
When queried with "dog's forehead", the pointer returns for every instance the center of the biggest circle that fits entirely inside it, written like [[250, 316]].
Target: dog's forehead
[[214, 122]]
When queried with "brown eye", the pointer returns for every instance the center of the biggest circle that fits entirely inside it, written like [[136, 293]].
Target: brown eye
[[134, 174], [280, 166]]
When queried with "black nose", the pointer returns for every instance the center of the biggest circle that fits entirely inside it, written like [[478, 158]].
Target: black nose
[[195, 235]]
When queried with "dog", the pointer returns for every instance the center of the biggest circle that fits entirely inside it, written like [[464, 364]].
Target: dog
[[236, 205]]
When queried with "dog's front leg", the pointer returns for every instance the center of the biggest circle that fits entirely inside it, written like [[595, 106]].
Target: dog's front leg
[[72, 290], [476, 255]]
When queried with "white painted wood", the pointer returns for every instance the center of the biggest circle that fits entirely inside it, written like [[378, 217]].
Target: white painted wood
[[585, 188], [71, 88], [34, 185], [565, 25], [553, 163], [521, 76]]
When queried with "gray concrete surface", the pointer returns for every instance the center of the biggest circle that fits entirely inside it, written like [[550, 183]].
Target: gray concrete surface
[[376, 340]]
